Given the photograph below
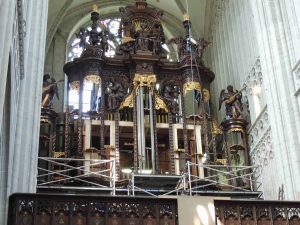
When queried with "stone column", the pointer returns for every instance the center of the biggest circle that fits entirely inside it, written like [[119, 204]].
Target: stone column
[[22, 170], [9, 39], [7, 15]]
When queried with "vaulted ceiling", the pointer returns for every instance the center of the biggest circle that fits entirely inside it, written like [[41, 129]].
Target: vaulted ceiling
[[66, 16]]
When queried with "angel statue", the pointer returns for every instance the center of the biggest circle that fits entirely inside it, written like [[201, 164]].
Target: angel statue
[[49, 90], [233, 102]]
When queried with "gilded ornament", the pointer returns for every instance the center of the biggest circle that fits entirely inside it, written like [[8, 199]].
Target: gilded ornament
[[215, 128], [93, 78], [95, 8], [126, 39], [75, 85], [186, 17], [222, 161], [45, 120], [179, 150], [111, 147], [188, 86], [128, 102], [206, 95], [236, 130], [59, 154], [138, 24], [143, 80], [160, 104]]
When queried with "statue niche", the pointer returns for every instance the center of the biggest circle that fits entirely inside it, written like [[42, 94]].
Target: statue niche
[[115, 94]]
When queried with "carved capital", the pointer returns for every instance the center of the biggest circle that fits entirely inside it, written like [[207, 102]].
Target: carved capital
[[143, 80]]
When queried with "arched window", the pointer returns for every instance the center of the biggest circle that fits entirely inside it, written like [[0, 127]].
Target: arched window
[[112, 25], [74, 51]]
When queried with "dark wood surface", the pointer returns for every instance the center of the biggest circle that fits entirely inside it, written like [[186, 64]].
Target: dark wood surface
[[49, 209]]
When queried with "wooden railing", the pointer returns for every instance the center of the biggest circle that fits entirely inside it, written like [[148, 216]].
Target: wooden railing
[[235, 212], [46, 209]]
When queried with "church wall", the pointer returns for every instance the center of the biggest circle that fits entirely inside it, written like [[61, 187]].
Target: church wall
[[255, 42]]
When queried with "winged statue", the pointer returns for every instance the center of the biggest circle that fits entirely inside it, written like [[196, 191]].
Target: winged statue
[[49, 91], [233, 102]]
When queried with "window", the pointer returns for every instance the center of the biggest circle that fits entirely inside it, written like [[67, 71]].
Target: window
[[112, 25]]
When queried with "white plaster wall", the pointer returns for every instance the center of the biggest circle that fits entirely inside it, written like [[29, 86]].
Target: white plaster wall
[[242, 32]]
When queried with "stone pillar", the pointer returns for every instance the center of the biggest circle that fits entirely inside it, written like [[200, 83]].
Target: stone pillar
[[23, 155], [8, 78], [7, 15]]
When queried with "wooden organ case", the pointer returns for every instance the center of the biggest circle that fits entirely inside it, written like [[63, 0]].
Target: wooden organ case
[[147, 113]]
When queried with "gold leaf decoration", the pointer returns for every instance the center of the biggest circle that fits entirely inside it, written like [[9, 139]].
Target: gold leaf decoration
[[188, 86]]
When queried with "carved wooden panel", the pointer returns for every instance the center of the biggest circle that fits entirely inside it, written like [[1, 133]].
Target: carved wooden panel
[[257, 212], [231, 220], [43, 218], [264, 221], [247, 220], [47, 209]]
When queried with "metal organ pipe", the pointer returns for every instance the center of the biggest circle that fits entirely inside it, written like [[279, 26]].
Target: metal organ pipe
[[180, 109], [152, 133], [142, 125], [138, 103]]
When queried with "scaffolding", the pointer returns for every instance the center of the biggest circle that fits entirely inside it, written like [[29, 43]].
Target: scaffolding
[[197, 179], [69, 173]]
